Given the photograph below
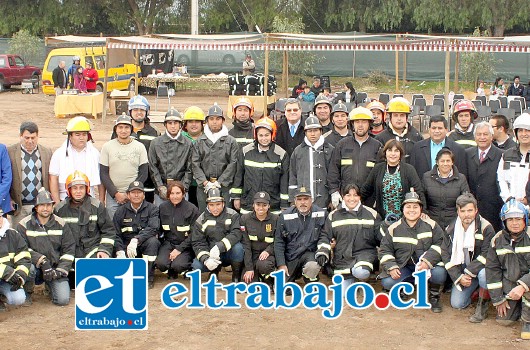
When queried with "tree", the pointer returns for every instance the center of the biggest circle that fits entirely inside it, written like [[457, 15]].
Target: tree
[[26, 46], [447, 16], [476, 65], [502, 15]]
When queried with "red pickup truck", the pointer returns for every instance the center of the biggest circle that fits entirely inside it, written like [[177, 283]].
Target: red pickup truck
[[13, 70]]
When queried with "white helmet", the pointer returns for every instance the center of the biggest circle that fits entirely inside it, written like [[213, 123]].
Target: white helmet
[[522, 122]]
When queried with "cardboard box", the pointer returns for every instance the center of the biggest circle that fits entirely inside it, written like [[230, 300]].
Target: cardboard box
[[121, 94]]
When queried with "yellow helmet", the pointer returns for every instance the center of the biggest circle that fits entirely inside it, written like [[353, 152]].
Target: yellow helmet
[[361, 113], [77, 124], [398, 105], [194, 113]]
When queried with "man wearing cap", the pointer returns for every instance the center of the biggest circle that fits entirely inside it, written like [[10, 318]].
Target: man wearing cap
[[263, 167], [291, 128], [243, 130], [322, 110], [249, 66], [309, 164], [30, 162], [91, 77], [138, 225], [297, 233], [170, 156], [215, 158], [216, 237], [76, 153], [257, 228], [398, 110], [508, 268], [464, 116], [123, 160], [413, 244], [353, 157], [15, 264], [52, 248], [339, 119]]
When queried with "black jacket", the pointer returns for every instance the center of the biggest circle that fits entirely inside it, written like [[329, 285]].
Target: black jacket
[[509, 143], [258, 236], [516, 91], [59, 77], [283, 135], [176, 222], [243, 133], [142, 224], [464, 139], [420, 157], [408, 140]]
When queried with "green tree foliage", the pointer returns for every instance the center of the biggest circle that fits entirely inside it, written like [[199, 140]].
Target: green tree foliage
[[475, 65], [26, 45]]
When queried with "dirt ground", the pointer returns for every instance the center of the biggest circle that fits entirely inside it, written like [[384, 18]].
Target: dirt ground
[[45, 326]]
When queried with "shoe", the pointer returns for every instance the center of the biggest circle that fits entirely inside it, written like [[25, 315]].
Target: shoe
[[481, 312], [525, 331], [434, 298], [29, 300]]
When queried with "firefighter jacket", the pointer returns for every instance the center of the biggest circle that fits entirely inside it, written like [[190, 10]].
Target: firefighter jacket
[[242, 132], [52, 241], [408, 138], [258, 236], [483, 234], [465, 139], [512, 174], [266, 171], [333, 137], [356, 235], [508, 265], [219, 160], [351, 163], [309, 168], [297, 233], [14, 254], [170, 159], [403, 245], [176, 222], [90, 224], [141, 224], [208, 230]]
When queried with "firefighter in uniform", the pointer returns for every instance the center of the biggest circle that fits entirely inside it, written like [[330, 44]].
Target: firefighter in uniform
[[215, 158], [464, 254], [15, 263], [216, 238], [340, 129], [378, 110], [413, 244], [170, 156], [322, 110], [52, 248], [177, 215], [355, 229], [192, 129], [508, 267], [258, 229], [309, 164], [138, 223], [263, 167], [87, 218], [297, 233], [353, 157], [464, 115], [243, 130]]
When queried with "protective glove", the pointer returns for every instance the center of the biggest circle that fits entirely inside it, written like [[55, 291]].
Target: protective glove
[[322, 259], [208, 187], [215, 253], [211, 264], [162, 192], [60, 273], [16, 281], [131, 248], [336, 199], [47, 272], [120, 254], [216, 184]]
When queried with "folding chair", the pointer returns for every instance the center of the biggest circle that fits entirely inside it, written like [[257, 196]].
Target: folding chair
[[508, 113], [477, 103], [384, 98], [415, 96], [421, 103], [361, 97], [307, 107], [504, 101], [162, 91], [495, 105], [439, 102], [482, 99], [516, 106], [484, 113]]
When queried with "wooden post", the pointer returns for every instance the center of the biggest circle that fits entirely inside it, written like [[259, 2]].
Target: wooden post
[[447, 78], [105, 81], [457, 69], [397, 65], [285, 73], [266, 80], [136, 66], [404, 68]]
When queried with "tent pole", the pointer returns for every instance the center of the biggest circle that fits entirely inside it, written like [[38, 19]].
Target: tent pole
[[136, 66], [397, 65], [447, 78], [266, 80], [457, 69], [285, 73], [106, 79]]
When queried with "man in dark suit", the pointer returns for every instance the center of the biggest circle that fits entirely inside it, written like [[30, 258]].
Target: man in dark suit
[[291, 128], [59, 78], [482, 162], [424, 152]]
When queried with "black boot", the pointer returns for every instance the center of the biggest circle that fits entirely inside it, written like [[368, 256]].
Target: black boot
[[29, 286], [481, 312], [237, 267], [270, 282], [434, 298], [215, 273], [151, 274]]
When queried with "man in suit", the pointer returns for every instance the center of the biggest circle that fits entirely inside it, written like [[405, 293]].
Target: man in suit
[[291, 128], [482, 163], [30, 165], [59, 78], [424, 152]]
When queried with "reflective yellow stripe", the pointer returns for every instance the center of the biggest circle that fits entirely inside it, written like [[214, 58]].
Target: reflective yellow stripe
[[382, 231], [290, 216], [71, 220], [481, 259], [364, 263], [165, 227], [436, 248], [243, 211], [526, 302], [55, 232], [149, 258], [466, 142], [22, 268], [2, 269], [253, 164], [346, 162], [183, 228], [495, 285], [236, 190], [522, 249], [93, 218], [253, 238], [370, 164], [479, 236], [342, 272], [351, 222], [243, 140], [227, 244], [126, 229], [228, 222], [201, 254], [284, 196], [22, 255], [67, 257], [92, 252], [107, 241], [208, 223], [408, 240], [424, 235], [386, 258], [147, 137], [503, 251], [36, 233], [5, 259], [269, 239], [324, 245]]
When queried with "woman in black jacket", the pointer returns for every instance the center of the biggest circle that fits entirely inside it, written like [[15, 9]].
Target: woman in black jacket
[[390, 180], [442, 186]]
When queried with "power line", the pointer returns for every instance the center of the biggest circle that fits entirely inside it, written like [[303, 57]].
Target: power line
[[305, 8], [233, 15]]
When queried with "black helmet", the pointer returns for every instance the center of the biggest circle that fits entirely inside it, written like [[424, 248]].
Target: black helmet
[[215, 111], [43, 197], [214, 195]]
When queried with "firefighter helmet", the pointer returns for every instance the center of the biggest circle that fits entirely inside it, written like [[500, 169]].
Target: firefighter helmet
[[513, 209], [377, 105], [245, 102], [173, 114], [139, 102], [398, 105], [361, 113], [321, 99], [521, 122], [266, 123], [339, 107], [215, 111], [194, 113], [312, 122], [77, 124], [214, 195], [464, 105], [43, 197], [77, 178], [412, 197]]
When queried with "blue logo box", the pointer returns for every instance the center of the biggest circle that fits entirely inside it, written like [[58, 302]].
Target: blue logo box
[[111, 294]]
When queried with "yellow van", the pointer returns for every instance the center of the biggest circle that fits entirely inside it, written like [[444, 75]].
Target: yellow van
[[119, 78]]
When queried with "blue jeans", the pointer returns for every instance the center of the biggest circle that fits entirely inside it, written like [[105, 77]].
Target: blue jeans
[[236, 254], [59, 288], [438, 276], [460, 299], [111, 205], [17, 297]]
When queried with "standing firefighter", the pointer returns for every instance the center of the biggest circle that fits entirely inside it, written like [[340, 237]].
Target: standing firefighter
[[243, 130], [464, 115]]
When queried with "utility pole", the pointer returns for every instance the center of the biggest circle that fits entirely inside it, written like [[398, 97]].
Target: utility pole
[[194, 17]]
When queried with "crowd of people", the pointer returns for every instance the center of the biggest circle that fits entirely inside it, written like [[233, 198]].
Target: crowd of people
[[357, 193], [498, 89]]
